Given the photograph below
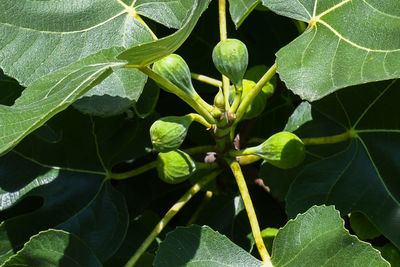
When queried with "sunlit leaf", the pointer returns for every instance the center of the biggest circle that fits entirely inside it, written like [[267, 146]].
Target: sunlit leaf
[[348, 42]]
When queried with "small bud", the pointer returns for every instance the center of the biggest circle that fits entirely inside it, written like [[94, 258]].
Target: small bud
[[219, 100]]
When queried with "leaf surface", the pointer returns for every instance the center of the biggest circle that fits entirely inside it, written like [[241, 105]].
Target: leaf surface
[[63, 165], [147, 53], [39, 37], [362, 175], [52, 94], [240, 9], [318, 238], [348, 42], [54, 248], [300, 116], [201, 246], [78, 202]]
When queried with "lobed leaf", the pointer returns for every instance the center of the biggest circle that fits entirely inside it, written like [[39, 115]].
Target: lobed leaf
[[60, 167], [201, 246], [52, 94], [348, 42], [318, 238], [54, 248], [144, 54]]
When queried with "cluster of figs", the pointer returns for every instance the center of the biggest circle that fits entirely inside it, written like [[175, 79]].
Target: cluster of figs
[[283, 150]]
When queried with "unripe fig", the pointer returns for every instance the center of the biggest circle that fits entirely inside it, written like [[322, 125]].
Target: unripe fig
[[230, 57], [259, 102], [283, 150], [219, 100], [175, 166], [257, 106], [168, 133], [174, 69]]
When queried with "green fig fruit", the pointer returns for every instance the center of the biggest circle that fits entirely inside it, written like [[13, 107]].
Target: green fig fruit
[[174, 68], [231, 58], [283, 150], [168, 133], [175, 166], [259, 102], [219, 100]]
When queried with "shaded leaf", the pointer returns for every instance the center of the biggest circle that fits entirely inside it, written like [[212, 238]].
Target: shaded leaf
[[138, 230], [62, 165], [391, 254], [195, 245], [348, 42], [240, 9], [78, 202], [148, 100], [52, 94], [318, 238], [300, 116], [362, 226], [362, 176], [54, 248]]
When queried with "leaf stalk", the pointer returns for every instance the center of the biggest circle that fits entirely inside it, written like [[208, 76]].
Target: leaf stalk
[[255, 228], [134, 172], [206, 79], [196, 103], [169, 215], [254, 92]]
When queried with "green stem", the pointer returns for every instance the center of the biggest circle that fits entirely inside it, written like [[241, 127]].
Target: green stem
[[197, 103], [226, 89], [200, 119], [207, 197], [244, 152], [153, 164], [135, 172], [254, 92], [222, 19], [169, 215], [221, 133], [338, 138], [249, 159], [328, 139], [255, 228], [206, 79], [209, 166], [214, 111], [224, 36], [236, 100]]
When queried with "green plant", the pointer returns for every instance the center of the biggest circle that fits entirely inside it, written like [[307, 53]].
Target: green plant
[[268, 175]]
